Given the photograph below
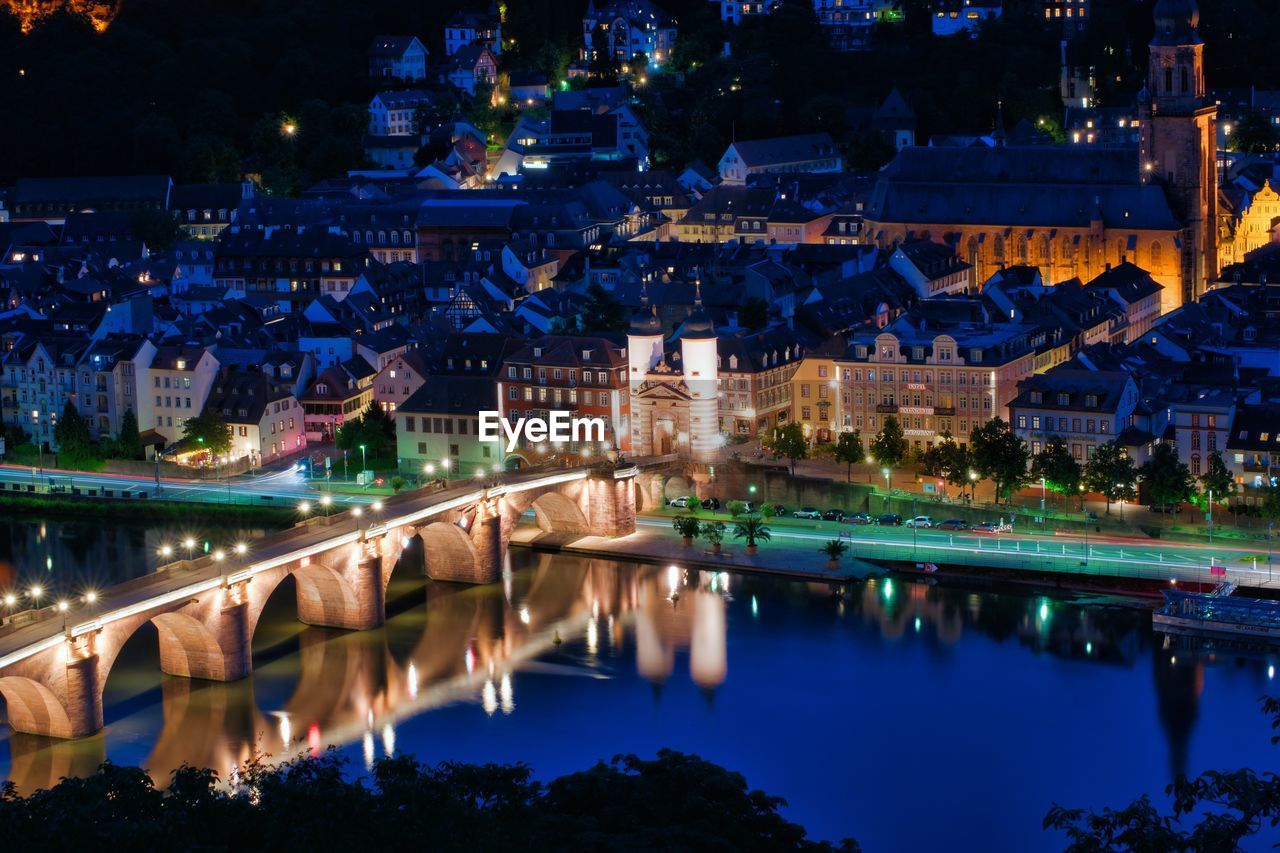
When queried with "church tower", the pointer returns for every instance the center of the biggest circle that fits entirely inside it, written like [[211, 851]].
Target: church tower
[[1177, 142]]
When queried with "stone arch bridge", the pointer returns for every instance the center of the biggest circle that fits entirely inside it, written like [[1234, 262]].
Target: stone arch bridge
[[53, 666]]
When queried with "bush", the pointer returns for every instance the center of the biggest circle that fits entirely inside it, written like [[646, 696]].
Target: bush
[[736, 508]]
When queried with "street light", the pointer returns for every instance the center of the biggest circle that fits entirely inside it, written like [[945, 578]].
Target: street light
[[90, 597], [973, 486], [364, 460], [36, 592], [376, 506], [10, 600], [326, 501], [35, 420], [166, 551], [190, 544], [304, 508]]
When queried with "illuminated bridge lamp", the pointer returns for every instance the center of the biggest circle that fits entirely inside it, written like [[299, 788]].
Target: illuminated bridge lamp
[[428, 469], [10, 600], [90, 597], [304, 508], [376, 506], [165, 551], [241, 548], [63, 606], [36, 592]]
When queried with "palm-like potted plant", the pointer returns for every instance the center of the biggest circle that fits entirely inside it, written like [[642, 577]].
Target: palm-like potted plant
[[753, 530], [713, 532], [687, 526], [834, 549]]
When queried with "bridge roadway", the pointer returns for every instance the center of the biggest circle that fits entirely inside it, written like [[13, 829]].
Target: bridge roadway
[[55, 662]]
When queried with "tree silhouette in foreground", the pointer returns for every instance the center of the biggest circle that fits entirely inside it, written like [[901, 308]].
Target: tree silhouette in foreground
[[675, 802], [1228, 807]]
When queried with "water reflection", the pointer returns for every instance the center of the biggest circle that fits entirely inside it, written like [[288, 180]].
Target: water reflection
[[544, 667]]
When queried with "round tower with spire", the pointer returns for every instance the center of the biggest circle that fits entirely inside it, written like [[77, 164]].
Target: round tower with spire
[[700, 364]]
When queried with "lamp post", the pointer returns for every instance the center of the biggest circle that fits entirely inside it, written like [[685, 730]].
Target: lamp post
[[364, 460], [190, 544], [1043, 488], [973, 486], [885, 472], [1211, 516], [35, 420], [870, 461]]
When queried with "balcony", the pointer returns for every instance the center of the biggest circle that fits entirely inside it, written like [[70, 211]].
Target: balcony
[[947, 411], [887, 409]]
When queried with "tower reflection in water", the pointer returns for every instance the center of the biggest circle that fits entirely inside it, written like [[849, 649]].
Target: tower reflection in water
[[465, 646]]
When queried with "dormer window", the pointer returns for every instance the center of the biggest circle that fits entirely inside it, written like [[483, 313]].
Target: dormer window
[[1063, 399], [1091, 401], [1035, 396]]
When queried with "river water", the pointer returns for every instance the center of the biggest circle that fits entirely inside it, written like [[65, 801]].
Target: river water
[[906, 715]]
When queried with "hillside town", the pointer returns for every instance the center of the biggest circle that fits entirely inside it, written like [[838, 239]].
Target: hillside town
[[1115, 287]]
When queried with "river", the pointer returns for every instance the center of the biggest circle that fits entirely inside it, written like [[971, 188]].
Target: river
[[906, 715]]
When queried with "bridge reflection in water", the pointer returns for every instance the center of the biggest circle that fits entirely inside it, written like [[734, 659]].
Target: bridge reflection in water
[[356, 686]]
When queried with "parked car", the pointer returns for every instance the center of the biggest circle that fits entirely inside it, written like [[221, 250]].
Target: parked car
[[680, 502], [952, 524], [807, 512], [711, 503], [988, 527], [1165, 508], [779, 509], [833, 515], [923, 522], [889, 519], [860, 518]]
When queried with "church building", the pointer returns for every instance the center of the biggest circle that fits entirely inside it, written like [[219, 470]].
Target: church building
[[1076, 211]]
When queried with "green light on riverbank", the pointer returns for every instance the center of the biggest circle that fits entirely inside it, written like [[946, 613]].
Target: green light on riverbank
[[755, 606], [888, 590], [1044, 611]]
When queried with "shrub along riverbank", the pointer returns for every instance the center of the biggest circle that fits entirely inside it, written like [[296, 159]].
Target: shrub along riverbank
[[84, 509]]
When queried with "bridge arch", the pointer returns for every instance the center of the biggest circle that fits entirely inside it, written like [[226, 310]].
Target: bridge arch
[[558, 514], [189, 649], [447, 551], [324, 596], [33, 708]]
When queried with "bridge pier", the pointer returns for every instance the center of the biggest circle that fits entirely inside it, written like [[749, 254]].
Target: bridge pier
[[611, 503], [84, 699]]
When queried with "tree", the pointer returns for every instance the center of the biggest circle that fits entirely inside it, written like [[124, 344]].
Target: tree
[[1061, 472], [129, 441], [1217, 477], [208, 430], [1270, 503], [787, 441], [72, 434], [374, 429], [1218, 810], [944, 457], [1110, 472], [834, 549], [849, 450], [1000, 456], [753, 530], [889, 448], [156, 229], [1168, 480], [317, 803]]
